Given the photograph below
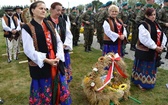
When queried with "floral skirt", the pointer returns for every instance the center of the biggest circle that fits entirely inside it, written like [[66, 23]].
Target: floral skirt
[[144, 73], [68, 69], [40, 92], [65, 98], [113, 48]]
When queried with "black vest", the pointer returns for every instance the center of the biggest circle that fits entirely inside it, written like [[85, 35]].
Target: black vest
[[9, 34], [19, 17], [62, 26], [45, 71], [149, 55], [110, 42]]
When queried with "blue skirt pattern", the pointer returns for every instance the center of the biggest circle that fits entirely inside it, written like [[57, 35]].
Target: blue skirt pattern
[[65, 98], [144, 73], [113, 48], [68, 69], [40, 92]]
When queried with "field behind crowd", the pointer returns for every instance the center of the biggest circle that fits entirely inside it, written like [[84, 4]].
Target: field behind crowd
[[15, 79]]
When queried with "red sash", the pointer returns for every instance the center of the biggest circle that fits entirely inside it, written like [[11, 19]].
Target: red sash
[[51, 56]]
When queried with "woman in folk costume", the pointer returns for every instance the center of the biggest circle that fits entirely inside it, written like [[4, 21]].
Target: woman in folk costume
[[114, 33], [44, 49], [66, 36], [148, 49]]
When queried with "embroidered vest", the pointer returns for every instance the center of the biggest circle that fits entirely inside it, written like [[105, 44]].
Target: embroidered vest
[[113, 28], [35, 30], [8, 34], [142, 52]]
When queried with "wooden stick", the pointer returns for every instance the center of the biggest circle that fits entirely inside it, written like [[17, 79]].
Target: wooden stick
[[25, 61]]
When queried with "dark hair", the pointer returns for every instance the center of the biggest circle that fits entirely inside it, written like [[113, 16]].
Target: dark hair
[[33, 6], [149, 11], [55, 4]]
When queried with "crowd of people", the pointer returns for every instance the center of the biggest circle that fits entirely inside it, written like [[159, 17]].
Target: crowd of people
[[47, 40]]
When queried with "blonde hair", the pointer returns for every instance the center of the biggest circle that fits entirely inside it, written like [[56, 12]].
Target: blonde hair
[[113, 7]]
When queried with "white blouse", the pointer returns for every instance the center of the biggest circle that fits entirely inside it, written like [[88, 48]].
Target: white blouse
[[145, 38], [111, 34], [68, 38], [36, 56]]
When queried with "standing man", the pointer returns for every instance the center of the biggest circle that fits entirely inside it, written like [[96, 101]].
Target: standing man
[[75, 25], [65, 16], [163, 20], [134, 26], [11, 27], [141, 14], [101, 17], [88, 20], [18, 12], [124, 17]]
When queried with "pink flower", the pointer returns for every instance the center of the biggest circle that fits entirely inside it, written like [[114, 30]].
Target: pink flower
[[31, 101], [68, 92], [65, 96], [42, 95], [63, 87], [48, 100], [62, 99], [50, 94], [48, 90]]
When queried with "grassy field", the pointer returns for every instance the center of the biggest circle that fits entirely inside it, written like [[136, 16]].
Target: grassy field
[[15, 80]]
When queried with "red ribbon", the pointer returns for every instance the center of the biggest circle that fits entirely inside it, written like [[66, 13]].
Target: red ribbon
[[110, 71]]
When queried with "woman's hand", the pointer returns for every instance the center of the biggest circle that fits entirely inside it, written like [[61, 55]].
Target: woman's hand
[[52, 62], [159, 49], [64, 46], [121, 37]]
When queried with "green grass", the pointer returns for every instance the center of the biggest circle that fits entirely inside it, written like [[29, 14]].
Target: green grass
[[15, 79]]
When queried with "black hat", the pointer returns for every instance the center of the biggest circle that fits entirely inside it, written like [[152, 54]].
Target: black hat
[[138, 4], [17, 7], [124, 4], [63, 8], [74, 8], [8, 9], [108, 3], [89, 5]]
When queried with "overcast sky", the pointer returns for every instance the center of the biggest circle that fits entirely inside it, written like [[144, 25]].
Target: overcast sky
[[47, 2]]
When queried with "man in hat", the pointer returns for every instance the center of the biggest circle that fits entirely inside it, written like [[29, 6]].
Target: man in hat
[[124, 17], [98, 24], [75, 25], [134, 26], [18, 12], [11, 27], [102, 16], [163, 20], [88, 19], [141, 14], [65, 16]]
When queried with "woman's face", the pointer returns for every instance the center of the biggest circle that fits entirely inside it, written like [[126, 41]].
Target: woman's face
[[152, 17], [57, 11], [113, 13], [39, 11]]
